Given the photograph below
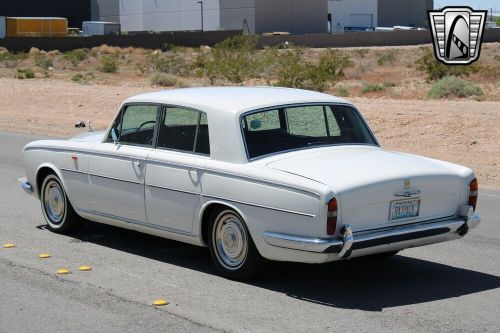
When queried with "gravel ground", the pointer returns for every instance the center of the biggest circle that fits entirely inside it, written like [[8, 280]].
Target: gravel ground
[[461, 131]]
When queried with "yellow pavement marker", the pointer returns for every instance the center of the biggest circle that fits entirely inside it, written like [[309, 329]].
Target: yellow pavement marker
[[9, 245], [84, 268], [44, 255], [63, 271], [160, 302]]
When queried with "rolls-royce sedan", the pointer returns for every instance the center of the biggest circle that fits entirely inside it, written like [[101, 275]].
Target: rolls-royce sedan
[[253, 174]]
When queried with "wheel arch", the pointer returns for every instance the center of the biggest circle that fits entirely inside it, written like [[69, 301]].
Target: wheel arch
[[204, 217], [42, 171]]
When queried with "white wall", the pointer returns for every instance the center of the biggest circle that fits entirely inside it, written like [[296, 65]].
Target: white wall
[[342, 11], [168, 15]]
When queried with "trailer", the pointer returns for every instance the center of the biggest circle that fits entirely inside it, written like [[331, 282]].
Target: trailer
[[2, 26], [97, 28], [36, 27]]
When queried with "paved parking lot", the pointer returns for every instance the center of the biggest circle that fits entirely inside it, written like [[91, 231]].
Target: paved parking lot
[[449, 287]]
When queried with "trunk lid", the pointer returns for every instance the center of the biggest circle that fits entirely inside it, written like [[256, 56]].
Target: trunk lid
[[366, 180]]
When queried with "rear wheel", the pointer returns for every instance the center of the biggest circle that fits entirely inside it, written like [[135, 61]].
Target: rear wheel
[[57, 210], [231, 246]]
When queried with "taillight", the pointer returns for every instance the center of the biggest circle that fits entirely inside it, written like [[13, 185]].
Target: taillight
[[331, 217], [473, 191]]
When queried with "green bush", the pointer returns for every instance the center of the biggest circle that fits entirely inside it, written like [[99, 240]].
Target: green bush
[[109, 64], [362, 52], [452, 86], [369, 87], [342, 91], [388, 56], [294, 72], [12, 56], [164, 80], [170, 63], [436, 70], [498, 21], [496, 57], [235, 59], [82, 77], [43, 61], [75, 56], [389, 84], [25, 73]]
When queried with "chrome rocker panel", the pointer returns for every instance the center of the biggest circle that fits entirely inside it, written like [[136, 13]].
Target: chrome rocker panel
[[408, 236]]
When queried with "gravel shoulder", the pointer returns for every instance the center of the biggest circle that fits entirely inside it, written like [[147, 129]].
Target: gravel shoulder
[[461, 131]]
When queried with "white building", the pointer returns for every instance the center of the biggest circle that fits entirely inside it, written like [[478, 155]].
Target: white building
[[378, 13]]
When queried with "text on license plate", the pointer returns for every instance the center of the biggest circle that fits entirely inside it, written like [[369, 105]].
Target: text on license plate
[[403, 209]]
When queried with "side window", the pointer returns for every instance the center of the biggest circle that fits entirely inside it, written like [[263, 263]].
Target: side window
[[185, 130], [262, 121], [135, 125]]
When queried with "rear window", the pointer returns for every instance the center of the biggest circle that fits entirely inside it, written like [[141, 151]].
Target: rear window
[[298, 127]]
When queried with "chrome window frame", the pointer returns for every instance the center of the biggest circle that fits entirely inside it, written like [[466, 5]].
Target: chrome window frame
[[284, 106]]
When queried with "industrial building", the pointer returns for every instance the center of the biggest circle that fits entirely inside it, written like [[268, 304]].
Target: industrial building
[[346, 14], [251, 16]]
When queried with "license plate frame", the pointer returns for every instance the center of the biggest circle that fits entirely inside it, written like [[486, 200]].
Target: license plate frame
[[396, 215]]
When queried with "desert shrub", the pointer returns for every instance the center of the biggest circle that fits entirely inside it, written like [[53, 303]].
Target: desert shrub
[[43, 61], [342, 91], [436, 70], [164, 80], [109, 64], [235, 59], [362, 52], [25, 73], [389, 84], [369, 87], [169, 63], [75, 56], [293, 71], [490, 72], [82, 77], [12, 56], [388, 56], [496, 57], [452, 86]]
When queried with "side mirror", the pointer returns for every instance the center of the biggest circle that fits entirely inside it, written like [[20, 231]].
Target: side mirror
[[80, 124]]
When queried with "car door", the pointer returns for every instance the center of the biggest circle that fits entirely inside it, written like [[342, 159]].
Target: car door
[[117, 167], [173, 173]]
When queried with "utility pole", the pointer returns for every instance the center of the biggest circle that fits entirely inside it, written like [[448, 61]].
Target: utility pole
[[201, 4]]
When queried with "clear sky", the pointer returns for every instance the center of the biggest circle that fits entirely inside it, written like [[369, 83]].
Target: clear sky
[[475, 4]]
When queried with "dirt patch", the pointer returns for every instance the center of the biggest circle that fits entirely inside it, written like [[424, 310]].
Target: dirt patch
[[465, 132]]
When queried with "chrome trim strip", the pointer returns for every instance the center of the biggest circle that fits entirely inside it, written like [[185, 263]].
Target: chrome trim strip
[[75, 171], [186, 166], [408, 193], [260, 206], [94, 153], [144, 224], [118, 179], [172, 189], [336, 245]]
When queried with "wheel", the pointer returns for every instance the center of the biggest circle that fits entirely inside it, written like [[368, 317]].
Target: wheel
[[231, 246], [57, 210]]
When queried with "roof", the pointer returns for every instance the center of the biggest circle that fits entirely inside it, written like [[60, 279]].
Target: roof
[[235, 100]]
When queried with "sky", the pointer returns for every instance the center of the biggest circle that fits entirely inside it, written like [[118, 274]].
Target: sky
[[475, 4]]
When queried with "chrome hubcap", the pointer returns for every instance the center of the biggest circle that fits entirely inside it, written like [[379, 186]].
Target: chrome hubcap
[[54, 201], [231, 240]]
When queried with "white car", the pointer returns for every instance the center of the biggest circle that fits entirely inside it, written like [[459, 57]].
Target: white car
[[252, 173]]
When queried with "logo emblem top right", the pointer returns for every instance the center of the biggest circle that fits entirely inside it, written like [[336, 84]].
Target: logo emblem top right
[[457, 33]]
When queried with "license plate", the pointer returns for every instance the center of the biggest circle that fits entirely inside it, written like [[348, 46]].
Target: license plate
[[403, 209]]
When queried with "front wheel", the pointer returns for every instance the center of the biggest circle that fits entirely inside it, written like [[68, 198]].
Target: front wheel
[[231, 246], [57, 210]]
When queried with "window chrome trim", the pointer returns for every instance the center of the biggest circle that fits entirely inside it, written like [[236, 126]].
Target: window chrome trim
[[284, 106]]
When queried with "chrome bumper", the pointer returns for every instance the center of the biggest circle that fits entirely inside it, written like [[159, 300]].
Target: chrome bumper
[[364, 240], [25, 185]]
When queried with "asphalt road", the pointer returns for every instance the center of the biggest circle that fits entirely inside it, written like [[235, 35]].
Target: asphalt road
[[448, 287]]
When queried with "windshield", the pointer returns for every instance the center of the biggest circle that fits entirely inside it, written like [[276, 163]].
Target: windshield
[[306, 126]]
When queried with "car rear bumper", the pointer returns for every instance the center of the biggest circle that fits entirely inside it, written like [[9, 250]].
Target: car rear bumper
[[376, 241]]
